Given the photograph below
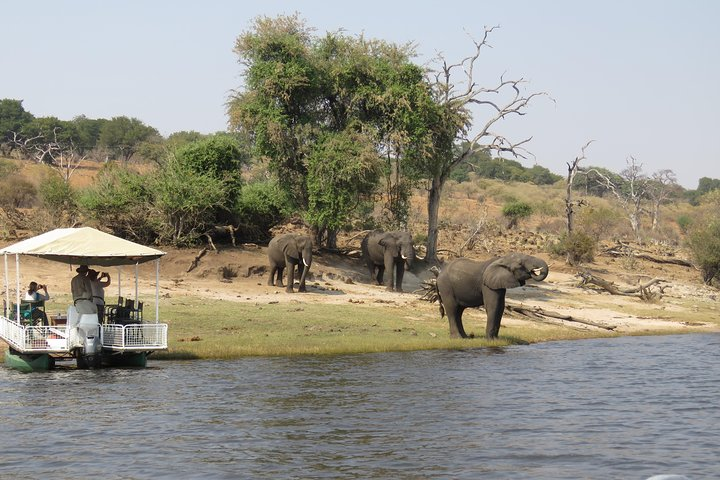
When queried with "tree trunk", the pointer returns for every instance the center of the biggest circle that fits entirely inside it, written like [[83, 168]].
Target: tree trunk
[[433, 208], [655, 215], [332, 238]]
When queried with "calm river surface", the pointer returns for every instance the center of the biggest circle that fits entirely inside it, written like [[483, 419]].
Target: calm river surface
[[624, 408]]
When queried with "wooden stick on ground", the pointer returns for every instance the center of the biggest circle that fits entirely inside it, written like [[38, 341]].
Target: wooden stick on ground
[[537, 313], [196, 260]]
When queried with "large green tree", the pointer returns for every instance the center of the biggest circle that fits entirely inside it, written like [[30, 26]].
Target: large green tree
[[122, 136], [301, 91], [343, 170], [12, 119]]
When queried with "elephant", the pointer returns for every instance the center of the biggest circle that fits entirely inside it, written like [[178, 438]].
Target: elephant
[[388, 251], [289, 250], [467, 283]]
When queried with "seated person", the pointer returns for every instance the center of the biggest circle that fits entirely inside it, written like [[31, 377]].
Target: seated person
[[33, 295]]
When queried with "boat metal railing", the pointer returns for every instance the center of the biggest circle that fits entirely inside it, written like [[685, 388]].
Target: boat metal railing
[[136, 336], [34, 339]]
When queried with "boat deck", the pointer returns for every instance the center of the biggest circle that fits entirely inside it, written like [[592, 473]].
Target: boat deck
[[139, 337]]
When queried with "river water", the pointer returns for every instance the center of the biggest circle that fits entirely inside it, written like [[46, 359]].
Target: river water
[[624, 408]]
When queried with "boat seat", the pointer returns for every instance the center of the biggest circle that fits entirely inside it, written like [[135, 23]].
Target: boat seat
[[30, 311]]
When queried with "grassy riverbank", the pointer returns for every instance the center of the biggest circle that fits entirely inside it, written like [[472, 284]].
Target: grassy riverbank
[[202, 329]]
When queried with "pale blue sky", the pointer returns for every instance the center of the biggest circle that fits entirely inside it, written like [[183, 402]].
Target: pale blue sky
[[641, 78]]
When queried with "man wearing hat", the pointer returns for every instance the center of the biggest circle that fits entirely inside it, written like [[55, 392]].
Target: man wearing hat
[[82, 291]]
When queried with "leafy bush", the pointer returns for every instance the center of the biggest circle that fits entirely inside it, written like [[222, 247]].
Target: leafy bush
[[684, 222], [16, 192], [514, 211], [220, 156], [58, 196], [120, 200], [261, 205], [185, 203], [704, 243], [600, 222], [577, 247]]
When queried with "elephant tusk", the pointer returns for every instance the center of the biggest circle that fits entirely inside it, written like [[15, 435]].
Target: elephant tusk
[[403, 256], [537, 271], [305, 263]]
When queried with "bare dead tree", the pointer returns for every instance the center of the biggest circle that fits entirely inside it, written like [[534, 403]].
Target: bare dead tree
[[503, 100], [661, 187], [630, 194], [33, 147], [570, 204], [62, 157]]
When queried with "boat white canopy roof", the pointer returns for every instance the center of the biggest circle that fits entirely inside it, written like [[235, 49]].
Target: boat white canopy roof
[[84, 245]]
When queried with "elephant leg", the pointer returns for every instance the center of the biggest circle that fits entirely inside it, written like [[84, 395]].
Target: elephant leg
[[273, 272], [389, 267], [290, 277], [371, 268], [495, 307], [380, 274], [399, 273], [454, 313], [279, 272]]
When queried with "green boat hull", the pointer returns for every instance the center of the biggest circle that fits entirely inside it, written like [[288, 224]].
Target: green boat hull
[[125, 360], [29, 362]]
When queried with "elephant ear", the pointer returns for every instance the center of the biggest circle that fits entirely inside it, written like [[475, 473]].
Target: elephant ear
[[500, 274], [389, 242], [290, 247], [301, 242]]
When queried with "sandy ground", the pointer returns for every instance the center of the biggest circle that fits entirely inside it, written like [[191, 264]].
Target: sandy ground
[[240, 274]]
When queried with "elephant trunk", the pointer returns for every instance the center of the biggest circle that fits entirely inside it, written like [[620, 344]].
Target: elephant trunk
[[539, 273], [306, 262], [408, 255]]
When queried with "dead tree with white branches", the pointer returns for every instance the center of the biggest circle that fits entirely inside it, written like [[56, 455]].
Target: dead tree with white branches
[[630, 194], [63, 157], [455, 99], [571, 204], [661, 187]]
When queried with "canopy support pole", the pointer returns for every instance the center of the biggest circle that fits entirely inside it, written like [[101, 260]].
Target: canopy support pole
[[119, 281], [157, 290], [7, 287], [136, 283], [17, 286]]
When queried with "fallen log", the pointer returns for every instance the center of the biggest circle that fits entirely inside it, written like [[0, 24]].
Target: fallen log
[[642, 291], [537, 313], [625, 251]]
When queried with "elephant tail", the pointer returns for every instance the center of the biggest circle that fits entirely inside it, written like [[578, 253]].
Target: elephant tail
[[431, 293]]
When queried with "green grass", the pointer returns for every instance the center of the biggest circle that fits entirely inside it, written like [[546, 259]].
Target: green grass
[[200, 329]]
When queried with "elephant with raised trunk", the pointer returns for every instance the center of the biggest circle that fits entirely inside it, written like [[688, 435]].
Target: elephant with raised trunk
[[389, 251], [466, 283], [288, 251]]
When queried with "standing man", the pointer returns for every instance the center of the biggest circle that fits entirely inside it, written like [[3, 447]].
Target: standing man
[[97, 284], [82, 291]]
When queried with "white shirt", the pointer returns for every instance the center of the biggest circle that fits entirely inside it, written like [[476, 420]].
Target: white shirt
[[36, 296]]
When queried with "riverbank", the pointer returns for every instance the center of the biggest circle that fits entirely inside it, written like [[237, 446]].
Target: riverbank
[[223, 307]]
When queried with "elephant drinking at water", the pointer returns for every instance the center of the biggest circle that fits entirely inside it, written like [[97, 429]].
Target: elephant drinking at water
[[288, 251], [389, 251], [466, 283]]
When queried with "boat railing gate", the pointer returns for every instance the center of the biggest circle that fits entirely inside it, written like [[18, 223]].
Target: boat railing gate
[[134, 336], [31, 338]]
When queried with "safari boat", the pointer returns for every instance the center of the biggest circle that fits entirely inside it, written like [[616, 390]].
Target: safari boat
[[124, 338]]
